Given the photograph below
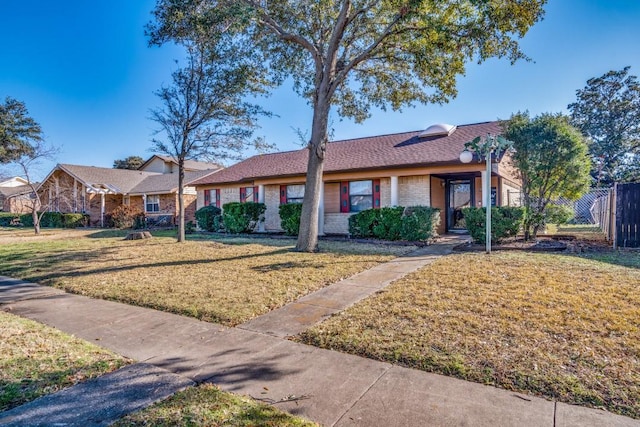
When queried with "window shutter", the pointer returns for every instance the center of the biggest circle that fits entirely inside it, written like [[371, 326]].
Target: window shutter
[[283, 194], [217, 198], [255, 194], [376, 194], [243, 194], [344, 197], [207, 197]]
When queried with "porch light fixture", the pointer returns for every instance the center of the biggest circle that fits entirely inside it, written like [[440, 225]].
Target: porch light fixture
[[485, 149]]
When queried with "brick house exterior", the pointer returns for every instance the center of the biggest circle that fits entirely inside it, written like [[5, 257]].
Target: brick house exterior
[[98, 191], [404, 169]]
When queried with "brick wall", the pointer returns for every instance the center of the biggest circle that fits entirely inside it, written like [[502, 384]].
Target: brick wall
[[385, 192], [336, 223], [413, 191]]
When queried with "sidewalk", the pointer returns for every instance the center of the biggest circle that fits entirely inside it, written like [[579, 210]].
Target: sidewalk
[[325, 386]]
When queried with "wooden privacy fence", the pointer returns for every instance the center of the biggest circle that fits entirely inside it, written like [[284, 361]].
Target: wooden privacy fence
[[627, 216]]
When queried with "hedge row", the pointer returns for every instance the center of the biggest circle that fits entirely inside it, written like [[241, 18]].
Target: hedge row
[[48, 220], [415, 223], [506, 221], [235, 217]]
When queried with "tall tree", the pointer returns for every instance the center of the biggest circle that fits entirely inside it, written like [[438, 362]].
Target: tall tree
[[18, 131], [607, 110], [358, 54], [203, 114], [131, 162], [552, 158]]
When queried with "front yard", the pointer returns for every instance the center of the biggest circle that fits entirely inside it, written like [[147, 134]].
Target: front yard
[[228, 281], [37, 360], [558, 326]]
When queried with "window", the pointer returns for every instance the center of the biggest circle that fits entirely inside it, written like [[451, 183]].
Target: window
[[248, 194], [291, 193], [153, 203], [356, 196], [212, 197]]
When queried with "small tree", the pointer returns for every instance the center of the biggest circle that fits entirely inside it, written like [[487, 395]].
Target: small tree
[[28, 162], [551, 156], [607, 110], [203, 113], [131, 162]]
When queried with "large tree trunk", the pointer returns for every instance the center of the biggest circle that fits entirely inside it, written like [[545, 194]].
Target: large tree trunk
[[308, 234], [181, 236]]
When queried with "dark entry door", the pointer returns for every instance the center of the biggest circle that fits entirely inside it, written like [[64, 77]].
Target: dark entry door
[[459, 196]]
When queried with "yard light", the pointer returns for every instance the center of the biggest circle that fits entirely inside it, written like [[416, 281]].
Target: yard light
[[485, 150]]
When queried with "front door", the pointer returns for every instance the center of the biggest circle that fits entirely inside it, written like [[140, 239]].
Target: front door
[[459, 196]]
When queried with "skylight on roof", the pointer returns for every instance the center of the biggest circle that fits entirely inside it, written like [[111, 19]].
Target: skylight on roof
[[439, 129]]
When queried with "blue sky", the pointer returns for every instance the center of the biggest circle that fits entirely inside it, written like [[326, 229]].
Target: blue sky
[[86, 74]]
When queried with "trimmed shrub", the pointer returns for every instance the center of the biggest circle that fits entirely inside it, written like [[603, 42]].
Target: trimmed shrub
[[75, 220], [209, 218], [505, 222], [290, 214], [126, 217], [388, 223], [242, 217], [417, 223], [420, 223], [362, 223]]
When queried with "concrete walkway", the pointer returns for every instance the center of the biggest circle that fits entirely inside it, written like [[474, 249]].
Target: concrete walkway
[[325, 386]]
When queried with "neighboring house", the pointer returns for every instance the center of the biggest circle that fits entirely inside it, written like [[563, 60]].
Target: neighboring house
[[404, 169], [16, 196], [98, 191]]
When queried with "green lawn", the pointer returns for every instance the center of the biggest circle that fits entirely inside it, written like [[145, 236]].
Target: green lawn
[[558, 326], [36, 360], [228, 281]]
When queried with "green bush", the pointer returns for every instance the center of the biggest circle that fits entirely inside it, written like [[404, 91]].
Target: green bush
[[55, 220], [242, 217], [8, 219], [75, 220], [209, 218], [420, 223], [125, 216], [394, 223], [558, 214], [362, 223], [290, 214], [505, 222]]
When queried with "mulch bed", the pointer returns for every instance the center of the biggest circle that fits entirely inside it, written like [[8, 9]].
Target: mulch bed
[[541, 244]]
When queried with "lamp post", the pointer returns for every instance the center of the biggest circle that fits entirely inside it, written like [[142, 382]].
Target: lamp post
[[485, 148]]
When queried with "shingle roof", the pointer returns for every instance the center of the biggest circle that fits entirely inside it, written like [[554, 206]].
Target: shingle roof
[[14, 191], [168, 182], [376, 152], [126, 181], [123, 180], [188, 164]]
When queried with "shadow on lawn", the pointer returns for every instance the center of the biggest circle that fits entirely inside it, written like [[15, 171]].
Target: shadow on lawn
[[25, 264], [623, 258]]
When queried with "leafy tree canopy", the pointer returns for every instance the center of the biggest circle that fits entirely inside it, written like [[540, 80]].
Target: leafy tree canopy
[[18, 131], [553, 161], [131, 162], [352, 54], [607, 110]]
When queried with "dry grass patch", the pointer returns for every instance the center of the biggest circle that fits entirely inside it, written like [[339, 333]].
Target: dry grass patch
[[562, 327], [228, 281], [206, 405], [37, 360]]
